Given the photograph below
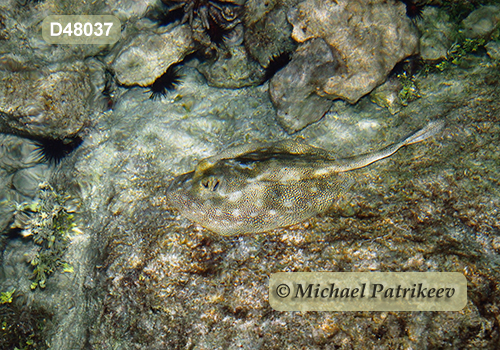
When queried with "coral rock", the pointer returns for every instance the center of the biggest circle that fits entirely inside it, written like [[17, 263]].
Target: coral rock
[[53, 102], [481, 22], [438, 33], [148, 55], [269, 37], [369, 36], [293, 88], [233, 72]]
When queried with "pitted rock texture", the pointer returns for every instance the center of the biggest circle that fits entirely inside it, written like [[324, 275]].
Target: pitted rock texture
[[233, 72], [148, 55], [370, 37], [293, 89], [51, 102], [366, 38], [268, 36], [482, 22], [438, 33]]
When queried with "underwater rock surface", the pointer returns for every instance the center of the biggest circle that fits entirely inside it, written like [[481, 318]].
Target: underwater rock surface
[[481, 22], [52, 102], [268, 34], [233, 72], [368, 37], [366, 41], [438, 33], [293, 89], [148, 55], [169, 283], [144, 277]]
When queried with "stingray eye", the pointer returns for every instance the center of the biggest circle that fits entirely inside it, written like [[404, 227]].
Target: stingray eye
[[210, 183]]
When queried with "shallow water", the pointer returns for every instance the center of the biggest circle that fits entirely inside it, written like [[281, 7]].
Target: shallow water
[[143, 276]]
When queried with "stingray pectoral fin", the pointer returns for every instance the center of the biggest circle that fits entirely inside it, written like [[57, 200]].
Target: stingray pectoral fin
[[229, 153], [332, 189], [342, 184], [299, 147]]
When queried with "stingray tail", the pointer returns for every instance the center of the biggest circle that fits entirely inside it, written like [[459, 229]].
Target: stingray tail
[[431, 129], [363, 160]]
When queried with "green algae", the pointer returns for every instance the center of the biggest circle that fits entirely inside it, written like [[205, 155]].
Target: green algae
[[48, 221]]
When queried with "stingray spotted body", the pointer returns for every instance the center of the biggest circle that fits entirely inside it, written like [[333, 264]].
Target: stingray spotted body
[[257, 188]]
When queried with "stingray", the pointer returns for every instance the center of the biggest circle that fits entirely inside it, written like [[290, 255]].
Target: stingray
[[259, 187]]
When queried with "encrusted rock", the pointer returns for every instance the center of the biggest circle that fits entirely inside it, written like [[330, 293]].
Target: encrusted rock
[[236, 71], [369, 36], [438, 33], [148, 55], [493, 50], [481, 22], [293, 88], [54, 102], [387, 95], [26, 180], [255, 10], [126, 10], [269, 36]]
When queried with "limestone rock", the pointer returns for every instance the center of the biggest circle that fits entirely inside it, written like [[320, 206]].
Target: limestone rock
[[438, 33], [369, 36], [26, 180], [293, 88], [148, 55], [53, 102], [493, 50], [236, 71], [269, 37], [387, 95], [481, 22]]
